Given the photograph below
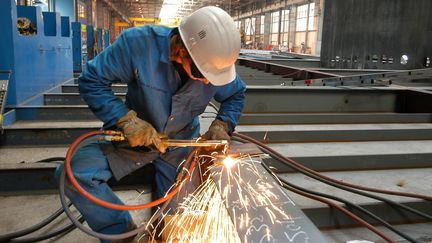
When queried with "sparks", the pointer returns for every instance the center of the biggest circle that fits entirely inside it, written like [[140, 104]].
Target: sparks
[[229, 162], [203, 216]]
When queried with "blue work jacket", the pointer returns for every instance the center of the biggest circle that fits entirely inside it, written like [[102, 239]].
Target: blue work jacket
[[140, 57]]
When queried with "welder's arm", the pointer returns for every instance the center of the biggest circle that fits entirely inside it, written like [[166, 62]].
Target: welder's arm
[[113, 64], [231, 99]]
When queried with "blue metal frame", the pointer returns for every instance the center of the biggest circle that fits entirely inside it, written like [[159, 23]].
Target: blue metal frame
[[106, 38], [99, 41], [77, 47], [90, 42], [38, 62]]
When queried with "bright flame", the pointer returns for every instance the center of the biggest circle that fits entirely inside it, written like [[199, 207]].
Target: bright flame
[[229, 162]]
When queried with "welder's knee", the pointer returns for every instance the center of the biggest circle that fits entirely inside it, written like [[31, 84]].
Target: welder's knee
[[89, 165]]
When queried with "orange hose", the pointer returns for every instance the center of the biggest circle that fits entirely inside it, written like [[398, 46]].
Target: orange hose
[[106, 204]]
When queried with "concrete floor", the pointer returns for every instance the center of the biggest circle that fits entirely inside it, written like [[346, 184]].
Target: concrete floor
[[19, 212]]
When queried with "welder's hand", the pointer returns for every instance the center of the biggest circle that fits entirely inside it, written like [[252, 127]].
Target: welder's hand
[[139, 132], [218, 130]]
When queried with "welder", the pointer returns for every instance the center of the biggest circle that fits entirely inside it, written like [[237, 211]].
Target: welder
[[171, 76]]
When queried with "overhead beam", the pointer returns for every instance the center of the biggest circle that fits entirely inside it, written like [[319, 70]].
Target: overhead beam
[[123, 15]]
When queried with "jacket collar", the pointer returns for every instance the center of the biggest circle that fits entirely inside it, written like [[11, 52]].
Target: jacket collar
[[166, 46]]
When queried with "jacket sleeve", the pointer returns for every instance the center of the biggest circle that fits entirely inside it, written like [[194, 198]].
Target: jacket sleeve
[[112, 65], [231, 98]]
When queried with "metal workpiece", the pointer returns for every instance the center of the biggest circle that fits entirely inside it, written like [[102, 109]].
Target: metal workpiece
[[286, 75], [279, 99], [194, 143], [284, 71], [403, 180], [53, 113], [73, 88], [333, 118], [69, 99], [260, 208], [81, 112], [333, 132]]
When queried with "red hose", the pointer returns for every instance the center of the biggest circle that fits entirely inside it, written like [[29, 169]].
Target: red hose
[[106, 204]]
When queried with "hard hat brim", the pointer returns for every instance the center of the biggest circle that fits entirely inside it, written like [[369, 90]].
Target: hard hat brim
[[221, 78]]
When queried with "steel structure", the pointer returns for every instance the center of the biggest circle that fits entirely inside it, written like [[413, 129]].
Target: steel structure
[[384, 129], [291, 226]]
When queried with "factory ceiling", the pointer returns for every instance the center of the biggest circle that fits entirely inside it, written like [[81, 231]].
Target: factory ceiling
[[152, 8]]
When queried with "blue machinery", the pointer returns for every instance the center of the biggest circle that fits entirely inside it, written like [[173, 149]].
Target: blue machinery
[[41, 61], [38, 62], [94, 42]]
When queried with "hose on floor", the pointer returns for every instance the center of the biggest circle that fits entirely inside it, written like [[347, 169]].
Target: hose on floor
[[16, 235], [190, 162], [341, 185]]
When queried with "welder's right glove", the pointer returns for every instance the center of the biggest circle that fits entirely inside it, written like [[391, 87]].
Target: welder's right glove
[[139, 132], [218, 130]]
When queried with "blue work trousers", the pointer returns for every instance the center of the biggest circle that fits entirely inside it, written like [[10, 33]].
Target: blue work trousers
[[92, 171]]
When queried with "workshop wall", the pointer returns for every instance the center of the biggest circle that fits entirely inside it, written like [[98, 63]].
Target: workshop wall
[[39, 59], [375, 34]]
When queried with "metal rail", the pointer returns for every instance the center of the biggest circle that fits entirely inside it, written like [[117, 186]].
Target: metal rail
[[330, 77]]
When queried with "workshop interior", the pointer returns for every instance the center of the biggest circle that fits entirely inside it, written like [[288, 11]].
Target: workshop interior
[[331, 139]]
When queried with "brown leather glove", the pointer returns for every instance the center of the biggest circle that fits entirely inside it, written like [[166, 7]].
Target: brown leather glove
[[218, 130], [139, 132]]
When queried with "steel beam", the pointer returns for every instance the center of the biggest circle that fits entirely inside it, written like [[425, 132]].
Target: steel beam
[[298, 63], [53, 113], [405, 180], [285, 71], [332, 118], [325, 218], [37, 177], [263, 226], [335, 135], [73, 88], [299, 99], [82, 112], [386, 77], [357, 162], [69, 99], [42, 136], [264, 99], [305, 99], [66, 135]]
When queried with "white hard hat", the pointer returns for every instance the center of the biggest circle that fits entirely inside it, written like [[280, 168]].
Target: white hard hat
[[213, 42]]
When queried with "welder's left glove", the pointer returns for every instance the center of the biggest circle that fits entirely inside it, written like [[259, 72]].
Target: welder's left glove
[[139, 132], [218, 130]]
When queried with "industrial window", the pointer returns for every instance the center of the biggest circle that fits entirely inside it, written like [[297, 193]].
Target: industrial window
[[253, 22], [106, 18], [285, 27], [306, 34], [250, 28], [274, 34], [312, 16], [81, 10], [301, 18], [262, 25], [237, 24]]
